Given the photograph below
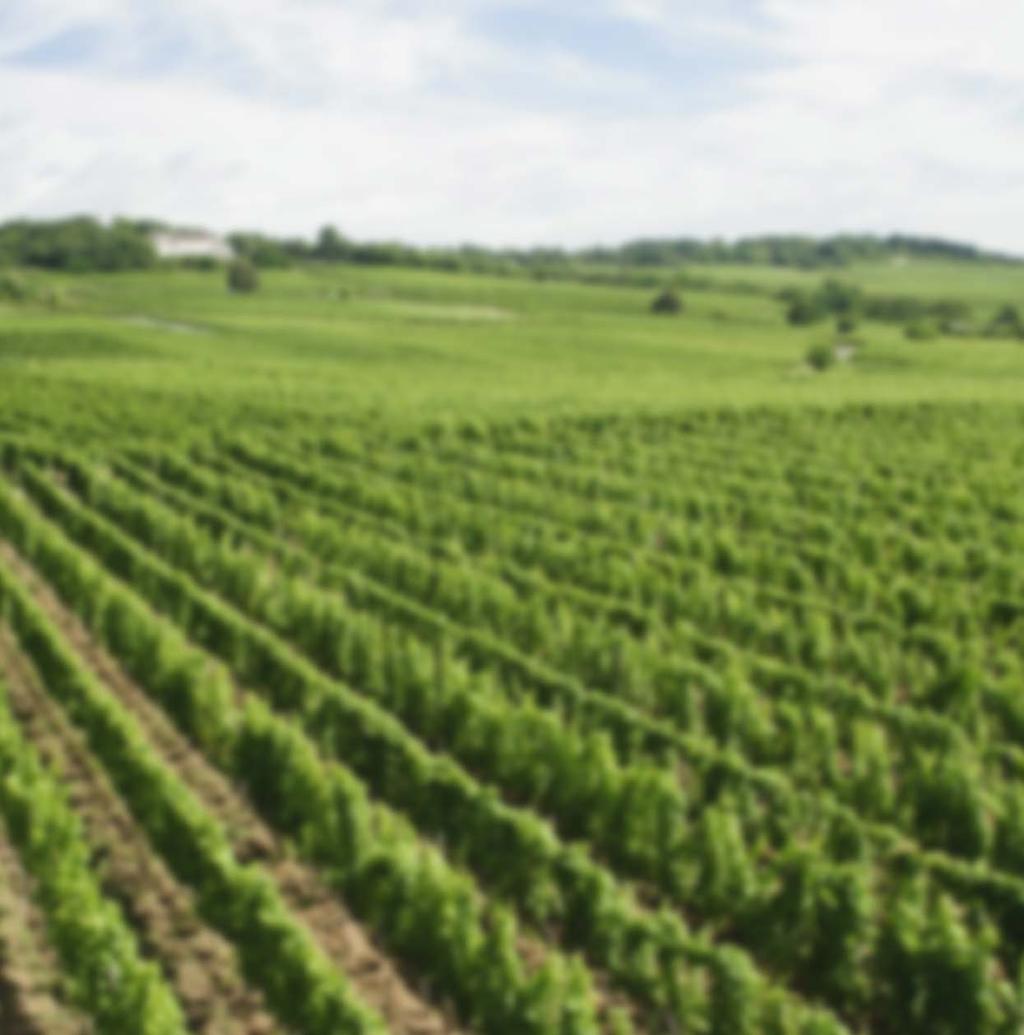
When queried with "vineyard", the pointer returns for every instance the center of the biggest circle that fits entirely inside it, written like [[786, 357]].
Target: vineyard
[[707, 723], [421, 652]]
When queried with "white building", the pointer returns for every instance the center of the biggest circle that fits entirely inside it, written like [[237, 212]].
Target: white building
[[190, 244]]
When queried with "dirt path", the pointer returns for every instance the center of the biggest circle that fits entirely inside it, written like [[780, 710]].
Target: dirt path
[[309, 899], [30, 988], [200, 965]]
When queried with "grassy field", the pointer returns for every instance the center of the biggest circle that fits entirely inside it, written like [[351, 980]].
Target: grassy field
[[338, 342], [399, 651], [986, 285]]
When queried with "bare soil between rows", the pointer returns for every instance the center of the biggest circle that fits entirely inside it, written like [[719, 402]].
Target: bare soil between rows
[[200, 966], [31, 997], [372, 973]]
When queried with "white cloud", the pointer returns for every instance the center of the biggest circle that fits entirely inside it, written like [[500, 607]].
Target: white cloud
[[652, 12], [395, 119], [24, 25]]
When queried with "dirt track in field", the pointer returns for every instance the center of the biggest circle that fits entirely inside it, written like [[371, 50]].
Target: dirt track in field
[[308, 898], [199, 964], [30, 993]]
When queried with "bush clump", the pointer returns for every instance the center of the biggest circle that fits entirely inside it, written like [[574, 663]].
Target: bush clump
[[13, 288], [821, 357], [242, 277], [803, 311], [668, 303], [1007, 323]]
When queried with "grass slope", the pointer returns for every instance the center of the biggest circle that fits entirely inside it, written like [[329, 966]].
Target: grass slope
[[146, 350]]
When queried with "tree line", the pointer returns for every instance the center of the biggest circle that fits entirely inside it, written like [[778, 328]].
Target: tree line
[[84, 243], [923, 318]]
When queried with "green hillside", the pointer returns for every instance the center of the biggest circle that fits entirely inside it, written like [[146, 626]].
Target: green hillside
[[405, 651], [333, 342]]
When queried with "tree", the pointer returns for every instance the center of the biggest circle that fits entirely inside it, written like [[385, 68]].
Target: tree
[[1007, 323], [838, 297], [76, 244], [242, 277], [331, 245], [262, 251], [668, 303]]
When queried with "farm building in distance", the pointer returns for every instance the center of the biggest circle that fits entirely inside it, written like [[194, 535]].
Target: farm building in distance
[[190, 244]]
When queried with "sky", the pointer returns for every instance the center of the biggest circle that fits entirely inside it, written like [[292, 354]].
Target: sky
[[566, 122]]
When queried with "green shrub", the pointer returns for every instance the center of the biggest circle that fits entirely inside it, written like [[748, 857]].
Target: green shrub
[[242, 277], [17, 289], [668, 303], [1007, 323], [821, 357], [13, 288], [803, 311]]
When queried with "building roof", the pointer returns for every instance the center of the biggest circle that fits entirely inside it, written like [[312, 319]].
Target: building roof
[[175, 244]]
